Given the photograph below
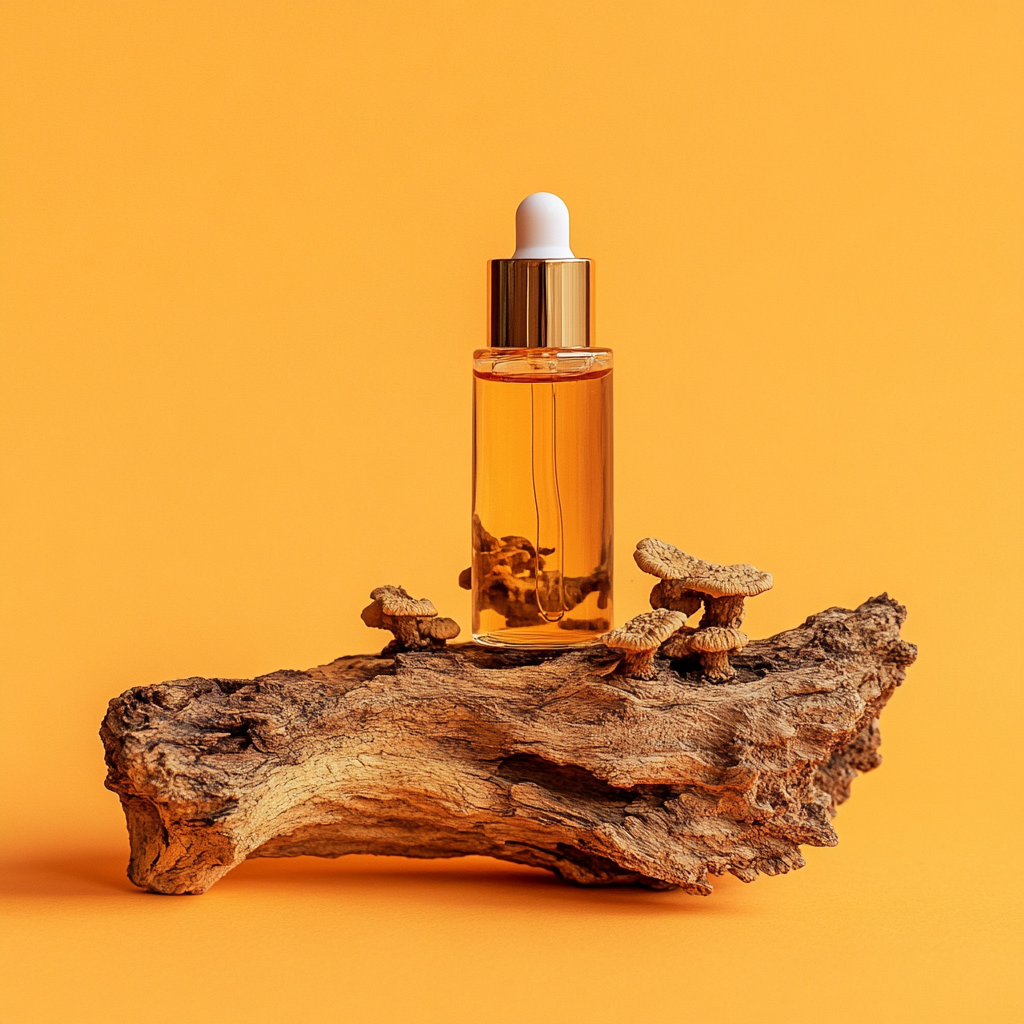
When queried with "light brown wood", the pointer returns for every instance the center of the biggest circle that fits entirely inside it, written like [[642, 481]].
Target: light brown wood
[[552, 759]]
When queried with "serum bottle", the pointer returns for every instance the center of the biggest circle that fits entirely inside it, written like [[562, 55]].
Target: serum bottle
[[542, 446]]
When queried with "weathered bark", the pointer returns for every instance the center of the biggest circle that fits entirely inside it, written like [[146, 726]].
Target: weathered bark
[[550, 759]]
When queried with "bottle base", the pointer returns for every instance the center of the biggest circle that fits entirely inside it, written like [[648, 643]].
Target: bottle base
[[537, 640]]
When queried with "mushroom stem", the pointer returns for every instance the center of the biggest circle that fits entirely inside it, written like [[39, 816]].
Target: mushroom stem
[[640, 664], [405, 630], [716, 666], [723, 611]]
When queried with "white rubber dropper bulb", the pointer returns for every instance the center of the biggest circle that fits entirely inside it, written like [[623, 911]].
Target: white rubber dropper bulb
[[542, 229]]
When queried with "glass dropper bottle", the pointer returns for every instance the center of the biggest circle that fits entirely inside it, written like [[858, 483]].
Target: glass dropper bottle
[[542, 446]]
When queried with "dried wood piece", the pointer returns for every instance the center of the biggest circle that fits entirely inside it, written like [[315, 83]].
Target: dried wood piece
[[550, 759]]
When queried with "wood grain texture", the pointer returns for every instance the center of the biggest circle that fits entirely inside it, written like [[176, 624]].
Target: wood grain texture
[[553, 759]]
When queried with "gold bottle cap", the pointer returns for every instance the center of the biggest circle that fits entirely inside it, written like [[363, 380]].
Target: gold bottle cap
[[541, 303], [542, 297]]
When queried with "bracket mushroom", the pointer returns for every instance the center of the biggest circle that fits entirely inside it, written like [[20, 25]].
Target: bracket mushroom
[[713, 644], [438, 629], [640, 638], [721, 588], [413, 622]]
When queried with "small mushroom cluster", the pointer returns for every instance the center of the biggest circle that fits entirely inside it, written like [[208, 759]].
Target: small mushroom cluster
[[685, 584], [413, 622]]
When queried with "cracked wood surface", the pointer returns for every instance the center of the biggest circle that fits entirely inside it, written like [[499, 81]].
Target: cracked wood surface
[[553, 759]]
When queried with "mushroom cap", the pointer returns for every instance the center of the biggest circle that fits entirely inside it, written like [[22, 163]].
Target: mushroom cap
[[717, 638], [669, 563], [678, 644], [373, 616], [675, 595], [645, 631], [396, 602], [440, 628]]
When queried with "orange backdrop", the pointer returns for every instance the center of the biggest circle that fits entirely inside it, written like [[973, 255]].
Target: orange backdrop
[[244, 273]]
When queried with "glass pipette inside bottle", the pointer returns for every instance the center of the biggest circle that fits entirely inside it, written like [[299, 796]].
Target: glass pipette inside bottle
[[549, 539]]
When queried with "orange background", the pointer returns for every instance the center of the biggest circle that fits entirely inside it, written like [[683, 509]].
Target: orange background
[[244, 272]]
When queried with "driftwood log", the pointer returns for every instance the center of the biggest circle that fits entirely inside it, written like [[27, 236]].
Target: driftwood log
[[554, 759]]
